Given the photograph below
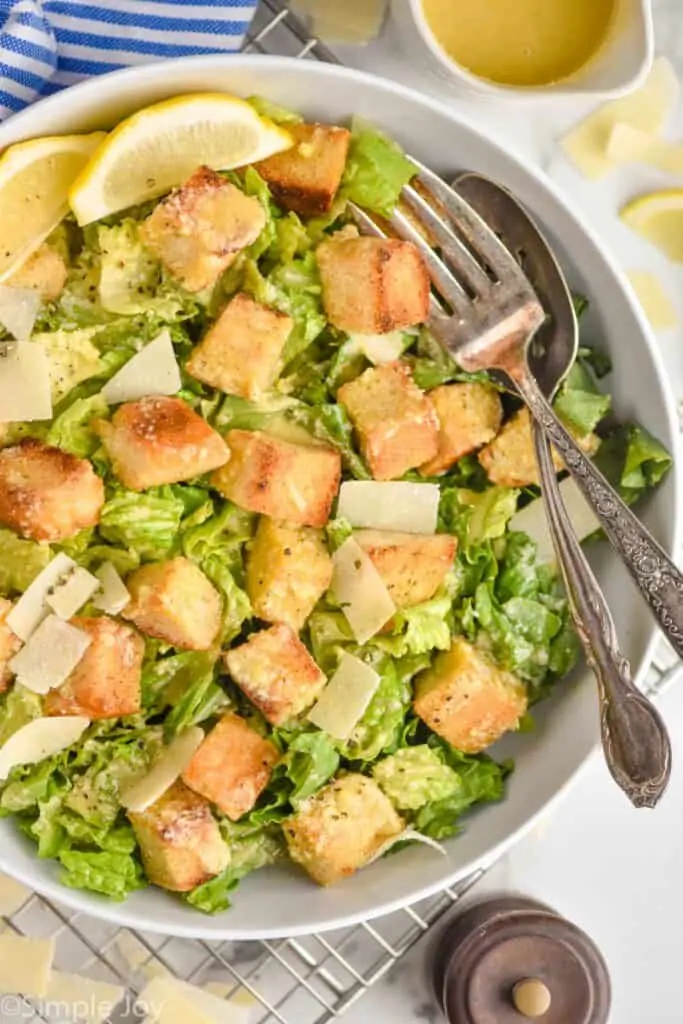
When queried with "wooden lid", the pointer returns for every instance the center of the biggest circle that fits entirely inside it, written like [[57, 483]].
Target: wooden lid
[[511, 960]]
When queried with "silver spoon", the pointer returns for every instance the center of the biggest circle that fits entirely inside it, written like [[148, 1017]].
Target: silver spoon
[[634, 737]]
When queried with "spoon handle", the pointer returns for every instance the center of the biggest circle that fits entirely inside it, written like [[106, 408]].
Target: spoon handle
[[634, 738], [656, 576]]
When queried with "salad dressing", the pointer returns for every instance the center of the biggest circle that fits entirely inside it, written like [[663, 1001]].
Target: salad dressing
[[521, 42]]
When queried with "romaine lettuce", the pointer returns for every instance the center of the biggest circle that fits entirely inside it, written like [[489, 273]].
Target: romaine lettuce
[[20, 562], [376, 169], [415, 776]]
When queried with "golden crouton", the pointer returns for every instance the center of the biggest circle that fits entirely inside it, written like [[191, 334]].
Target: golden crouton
[[338, 830], [395, 421], [467, 699], [510, 460], [306, 177], [174, 601], [180, 842], [412, 566], [288, 570], [280, 479], [45, 271], [158, 441], [9, 644], [47, 494], [373, 285], [240, 354], [199, 228], [232, 766], [106, 681], [469, 416], [276, 672]]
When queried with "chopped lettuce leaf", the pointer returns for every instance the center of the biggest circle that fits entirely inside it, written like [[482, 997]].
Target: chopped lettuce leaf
[[148, 523], [202, 698], [293, 288], [111, 874], [248, 852], [415, 776], [20, 563], [273, 111], [479, 780], [379, 730], [633, 460], [73, 358], [580, 403], [474, 516], [18, 707], [310, 760], [71, 430], [376, 169]]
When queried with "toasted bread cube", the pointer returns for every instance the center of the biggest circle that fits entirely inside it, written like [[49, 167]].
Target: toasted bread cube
[[277, 478], [180, 842], [373, 285], [240, 354], [306, 177], [45, 271], [470, 415], [412, 566], [338, 830], [395, 421], [276, 672], [9, 645], [158, 441], [174, 601], [288, 570], [197, 231], [232, 766], [510, 459], [467, 699], [46, 493], [106, 681]]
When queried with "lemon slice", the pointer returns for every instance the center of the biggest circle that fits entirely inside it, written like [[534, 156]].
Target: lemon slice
[[658, 217], [160, 146], [35, 178]]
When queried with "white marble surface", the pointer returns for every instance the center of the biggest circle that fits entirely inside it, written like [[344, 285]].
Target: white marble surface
[[615, 871]]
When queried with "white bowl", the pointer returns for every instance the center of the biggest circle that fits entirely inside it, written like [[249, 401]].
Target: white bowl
[[282, 901], [621, 64]]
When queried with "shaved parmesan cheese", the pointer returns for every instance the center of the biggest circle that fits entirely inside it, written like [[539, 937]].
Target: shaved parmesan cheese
[[647, 109], [168, 1000], [24, 383], [345, 699], [50, 655], [32, 606], [379, 348], [13, 895], [83, 998], [627, 144], [163, 773], [532, 519], [360, 591], [408, 835], [390, 505], [69, 596], [153, 371], [18, 310], [25, 964], [114, 595], [656, 304], [39, 739]]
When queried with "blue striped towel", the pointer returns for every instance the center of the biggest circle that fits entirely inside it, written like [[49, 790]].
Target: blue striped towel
[[48, 44]]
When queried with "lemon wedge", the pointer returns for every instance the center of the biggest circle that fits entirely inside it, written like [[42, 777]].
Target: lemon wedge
[[35, 178], [159, 147], [658, 217]]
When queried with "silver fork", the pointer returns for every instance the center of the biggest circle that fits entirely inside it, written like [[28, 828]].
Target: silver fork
[[495, 314]]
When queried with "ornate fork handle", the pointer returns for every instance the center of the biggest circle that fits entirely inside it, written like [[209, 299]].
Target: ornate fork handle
[[656, 576], [634, 738]]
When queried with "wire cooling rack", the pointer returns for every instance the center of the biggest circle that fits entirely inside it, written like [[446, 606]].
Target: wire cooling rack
[[310, 980]]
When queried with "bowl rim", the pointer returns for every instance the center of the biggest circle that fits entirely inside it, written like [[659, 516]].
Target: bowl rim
[[562, 89], [90, 903]]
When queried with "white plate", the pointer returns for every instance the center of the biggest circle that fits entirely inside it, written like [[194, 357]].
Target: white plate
[[282, 901]]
